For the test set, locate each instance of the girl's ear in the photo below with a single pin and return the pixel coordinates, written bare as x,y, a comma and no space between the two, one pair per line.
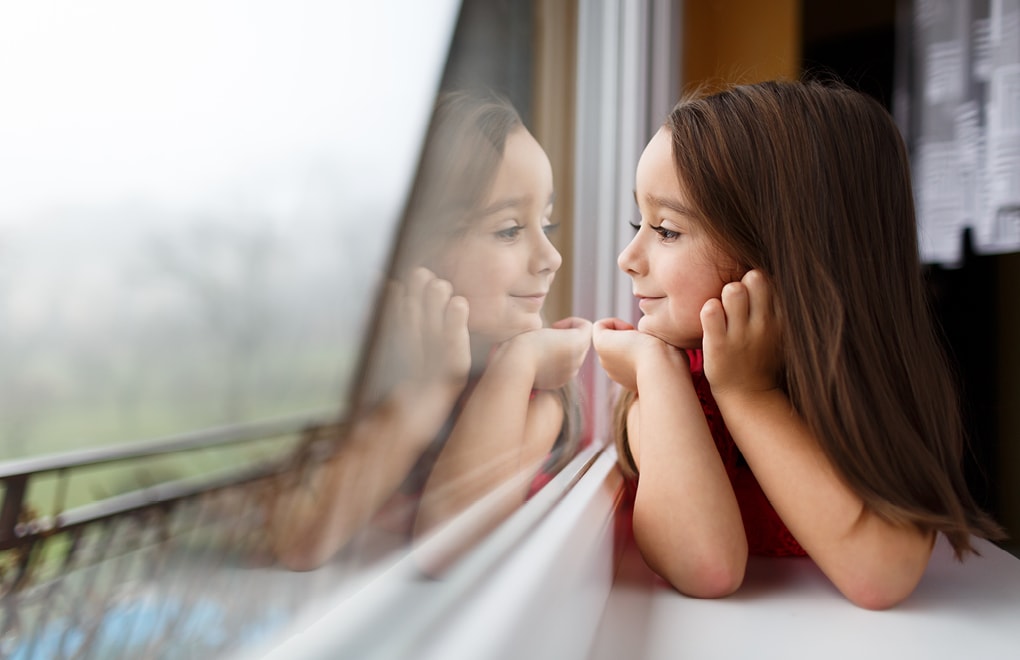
730,269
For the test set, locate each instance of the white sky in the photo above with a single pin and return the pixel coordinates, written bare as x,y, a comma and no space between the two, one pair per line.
124,122
112,99
122,119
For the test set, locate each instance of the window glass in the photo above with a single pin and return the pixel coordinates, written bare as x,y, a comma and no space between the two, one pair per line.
198,200
464,342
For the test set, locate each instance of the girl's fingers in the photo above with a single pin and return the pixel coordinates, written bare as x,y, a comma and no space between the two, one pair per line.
418,280
457,314
612,324
456,334
600,335
435,299
580,332
762,312
415,290
713,321
736,306
571,322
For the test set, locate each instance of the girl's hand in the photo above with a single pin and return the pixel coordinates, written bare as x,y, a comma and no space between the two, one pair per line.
430,332
743,337
557,351
621,347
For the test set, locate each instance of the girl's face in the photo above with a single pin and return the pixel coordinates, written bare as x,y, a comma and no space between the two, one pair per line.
504,263
674,267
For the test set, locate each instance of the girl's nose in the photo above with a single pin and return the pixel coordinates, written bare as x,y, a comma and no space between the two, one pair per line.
546,258
631,259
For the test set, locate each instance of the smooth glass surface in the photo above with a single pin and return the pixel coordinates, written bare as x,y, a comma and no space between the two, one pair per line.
198,202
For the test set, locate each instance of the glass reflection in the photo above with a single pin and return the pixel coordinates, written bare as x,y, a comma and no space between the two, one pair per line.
468,395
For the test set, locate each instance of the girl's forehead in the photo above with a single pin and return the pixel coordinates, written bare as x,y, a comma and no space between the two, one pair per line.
659,148
656,170
524,175
524,160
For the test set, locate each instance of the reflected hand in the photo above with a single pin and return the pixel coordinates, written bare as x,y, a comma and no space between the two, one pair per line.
557,352
621,348
428,336
743,337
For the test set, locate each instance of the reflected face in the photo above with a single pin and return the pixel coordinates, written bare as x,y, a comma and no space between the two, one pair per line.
674,267
504,262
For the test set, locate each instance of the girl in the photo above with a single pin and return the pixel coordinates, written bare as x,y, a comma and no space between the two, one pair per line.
468,390
786,390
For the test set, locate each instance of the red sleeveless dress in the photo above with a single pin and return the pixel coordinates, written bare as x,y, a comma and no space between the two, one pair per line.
766,533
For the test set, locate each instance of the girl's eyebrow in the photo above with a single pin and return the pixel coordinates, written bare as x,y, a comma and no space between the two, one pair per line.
666,202
503,204
512,203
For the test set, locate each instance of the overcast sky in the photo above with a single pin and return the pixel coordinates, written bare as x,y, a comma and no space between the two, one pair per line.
109,99
127,123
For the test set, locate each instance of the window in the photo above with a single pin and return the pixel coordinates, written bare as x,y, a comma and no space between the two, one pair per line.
230,181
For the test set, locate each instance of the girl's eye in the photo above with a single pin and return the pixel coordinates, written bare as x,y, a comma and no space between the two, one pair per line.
666,234
551,228
510,233
636,226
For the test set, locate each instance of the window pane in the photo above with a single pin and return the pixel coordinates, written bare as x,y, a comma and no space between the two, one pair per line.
197,208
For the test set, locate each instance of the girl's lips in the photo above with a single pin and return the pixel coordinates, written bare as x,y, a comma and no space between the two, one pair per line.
642,301
532,299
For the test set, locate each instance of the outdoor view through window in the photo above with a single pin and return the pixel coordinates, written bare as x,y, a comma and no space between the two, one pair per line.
197,213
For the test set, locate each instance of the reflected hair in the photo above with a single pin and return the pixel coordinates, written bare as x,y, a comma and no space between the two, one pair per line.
463,150
809,182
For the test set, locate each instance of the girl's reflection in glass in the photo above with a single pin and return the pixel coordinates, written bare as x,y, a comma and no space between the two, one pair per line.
471,393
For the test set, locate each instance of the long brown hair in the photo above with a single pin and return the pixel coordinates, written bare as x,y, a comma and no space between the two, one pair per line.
809,182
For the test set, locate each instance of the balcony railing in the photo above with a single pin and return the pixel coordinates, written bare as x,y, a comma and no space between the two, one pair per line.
173,569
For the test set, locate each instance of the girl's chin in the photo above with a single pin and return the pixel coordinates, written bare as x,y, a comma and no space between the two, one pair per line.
693,342
498,336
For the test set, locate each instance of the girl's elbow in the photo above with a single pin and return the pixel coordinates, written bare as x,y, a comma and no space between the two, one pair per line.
877,595
887,579
883,586
709,578
714,582
709,563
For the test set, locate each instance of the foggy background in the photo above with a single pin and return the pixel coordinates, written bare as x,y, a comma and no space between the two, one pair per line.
196,203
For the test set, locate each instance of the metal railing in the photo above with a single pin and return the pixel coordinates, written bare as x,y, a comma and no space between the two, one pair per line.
172,569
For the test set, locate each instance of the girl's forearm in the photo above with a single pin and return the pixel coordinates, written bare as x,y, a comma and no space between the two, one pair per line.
872,561
500,434
686,519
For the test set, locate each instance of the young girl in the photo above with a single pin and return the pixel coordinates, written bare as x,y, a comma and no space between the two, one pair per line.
786,391
468,391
